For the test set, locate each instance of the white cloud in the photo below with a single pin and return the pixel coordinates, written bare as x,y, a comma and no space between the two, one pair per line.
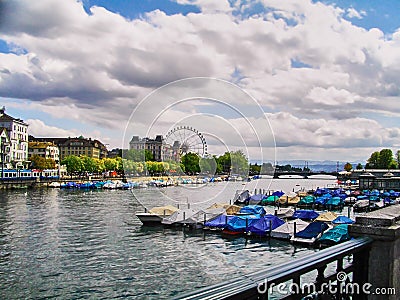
38,128
95,69
353,13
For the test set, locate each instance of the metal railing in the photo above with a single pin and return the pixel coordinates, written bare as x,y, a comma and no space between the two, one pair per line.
249,287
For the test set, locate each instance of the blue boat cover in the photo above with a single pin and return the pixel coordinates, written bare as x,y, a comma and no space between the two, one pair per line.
335,201
321,200
255,199
305,214
264,224
253,209
342,220
218,222
312,230
278,193
238,223
335,235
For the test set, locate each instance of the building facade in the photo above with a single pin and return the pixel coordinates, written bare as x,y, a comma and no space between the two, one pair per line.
155,146
17,132
4,148
76,146
46,150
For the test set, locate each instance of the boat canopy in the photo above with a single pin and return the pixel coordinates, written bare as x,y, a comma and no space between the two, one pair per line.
178,216
326,217
336,235
203,215
342,220
163,210
264,224
312,230
252,209
219,221
305,214
335,201
256,199
278,193
238,223
270,200
230,209
241,196
307,200
286,230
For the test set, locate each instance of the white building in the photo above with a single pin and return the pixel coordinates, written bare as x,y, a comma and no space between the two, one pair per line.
46,150
18,138
4,148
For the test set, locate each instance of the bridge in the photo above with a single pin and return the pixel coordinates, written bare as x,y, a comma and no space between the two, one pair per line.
366,267
302,173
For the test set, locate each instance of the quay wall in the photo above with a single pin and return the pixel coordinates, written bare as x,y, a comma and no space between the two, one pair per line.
383,226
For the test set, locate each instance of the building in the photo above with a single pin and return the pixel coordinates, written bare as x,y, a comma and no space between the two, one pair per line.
114,153
46,150
17,132
76,146
4,148
155,146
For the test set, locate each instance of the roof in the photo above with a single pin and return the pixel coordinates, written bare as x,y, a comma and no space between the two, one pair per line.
40,145
68,142
5,117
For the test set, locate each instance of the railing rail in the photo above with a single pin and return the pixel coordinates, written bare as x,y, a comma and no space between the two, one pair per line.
247,287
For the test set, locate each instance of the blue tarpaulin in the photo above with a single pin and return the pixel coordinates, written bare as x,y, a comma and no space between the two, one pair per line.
264,224
218,222
335,235
342,220
312,230
278,193
305,214
253,209
238,223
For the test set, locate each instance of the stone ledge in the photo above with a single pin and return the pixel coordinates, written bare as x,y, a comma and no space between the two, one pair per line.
389,233
384,217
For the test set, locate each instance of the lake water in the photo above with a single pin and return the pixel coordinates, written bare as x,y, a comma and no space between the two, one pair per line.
72,244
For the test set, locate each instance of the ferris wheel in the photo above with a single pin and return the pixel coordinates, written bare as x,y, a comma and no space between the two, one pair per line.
185,139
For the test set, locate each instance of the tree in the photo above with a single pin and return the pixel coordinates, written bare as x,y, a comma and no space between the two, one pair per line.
348,167
110,164
73,163
385,159
239,163
398,158
208,165
359,166
89,164
191,163
38,162
373,161
224,163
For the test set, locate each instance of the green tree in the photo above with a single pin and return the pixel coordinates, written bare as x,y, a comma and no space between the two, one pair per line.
191,163
385,159
110,164
224,163
373,161
359,166
73,163
267,168
255,169
208,165
89,164
398,158
38,162
239,163
348,167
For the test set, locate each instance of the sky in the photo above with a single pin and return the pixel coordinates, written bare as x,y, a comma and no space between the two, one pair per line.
295,79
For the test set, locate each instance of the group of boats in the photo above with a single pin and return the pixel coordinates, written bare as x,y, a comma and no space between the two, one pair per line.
316,223
322,199
85,185
298,226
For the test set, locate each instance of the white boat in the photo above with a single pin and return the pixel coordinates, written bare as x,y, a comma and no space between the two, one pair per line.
156,214
55,184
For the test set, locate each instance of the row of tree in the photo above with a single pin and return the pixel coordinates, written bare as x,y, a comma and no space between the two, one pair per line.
384,159
83,164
